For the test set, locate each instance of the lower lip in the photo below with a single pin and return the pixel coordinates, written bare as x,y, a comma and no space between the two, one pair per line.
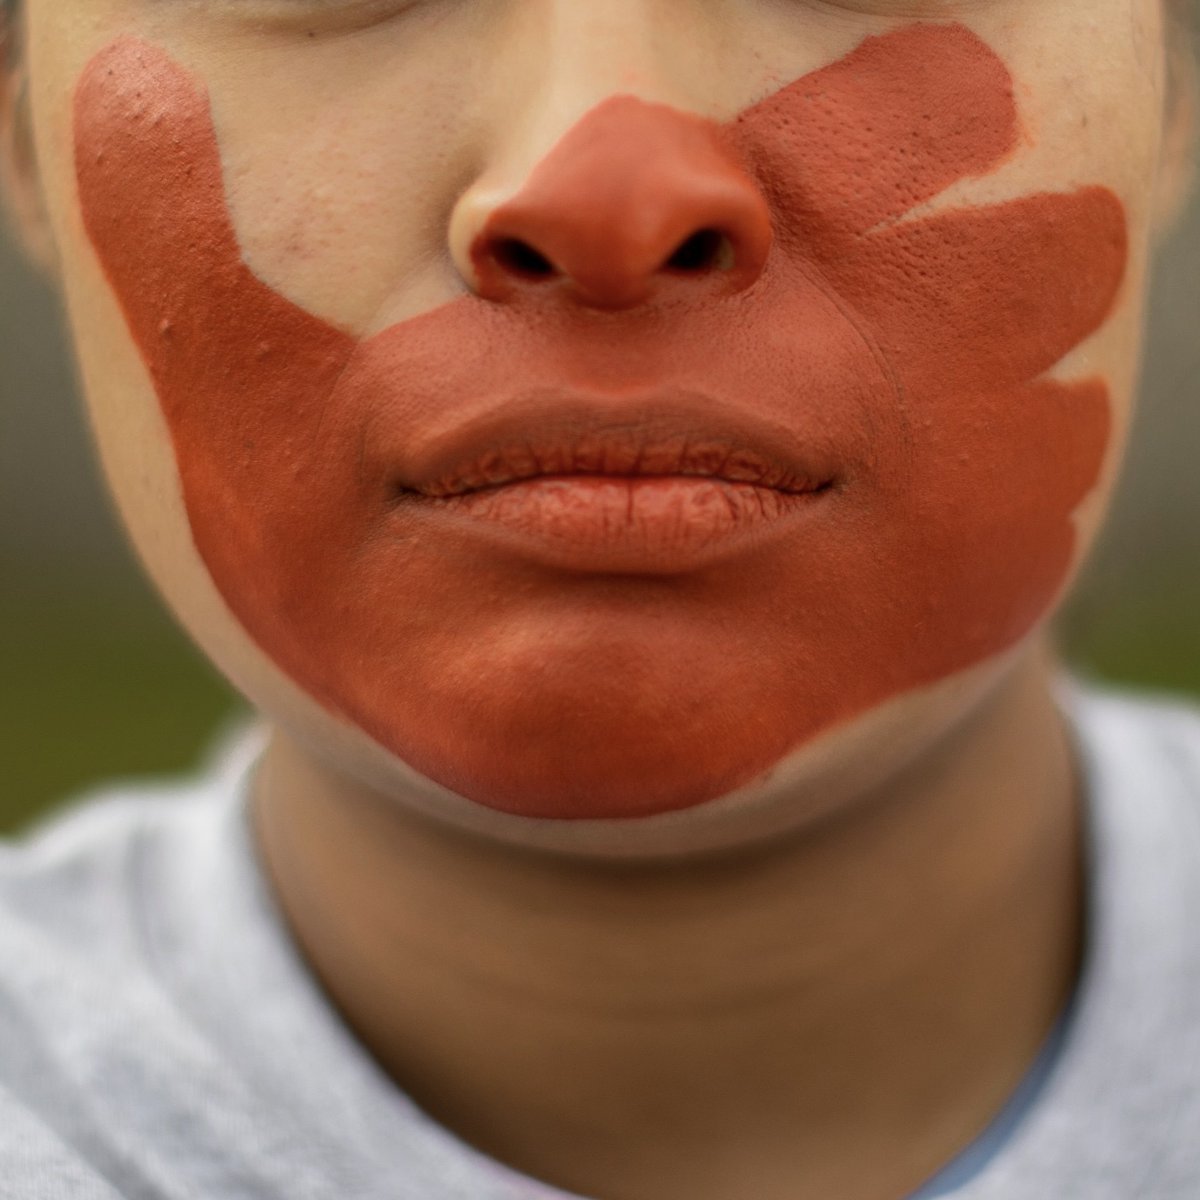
654,524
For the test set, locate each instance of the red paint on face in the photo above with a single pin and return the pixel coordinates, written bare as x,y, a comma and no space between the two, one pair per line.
900,362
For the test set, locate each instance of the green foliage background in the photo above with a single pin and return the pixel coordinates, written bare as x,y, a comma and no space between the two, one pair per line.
98,684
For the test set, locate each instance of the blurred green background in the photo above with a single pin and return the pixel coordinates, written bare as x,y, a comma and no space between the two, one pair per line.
96,683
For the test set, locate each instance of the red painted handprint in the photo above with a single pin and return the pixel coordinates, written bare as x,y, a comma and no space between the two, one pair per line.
883,476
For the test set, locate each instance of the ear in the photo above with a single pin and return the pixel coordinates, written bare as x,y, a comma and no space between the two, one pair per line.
1177,166
20,180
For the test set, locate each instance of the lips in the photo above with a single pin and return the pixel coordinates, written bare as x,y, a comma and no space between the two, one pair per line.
644,436
645,484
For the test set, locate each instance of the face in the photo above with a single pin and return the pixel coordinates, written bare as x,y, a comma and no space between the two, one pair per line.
581,412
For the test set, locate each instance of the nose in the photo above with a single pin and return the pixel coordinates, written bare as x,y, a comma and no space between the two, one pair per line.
635,197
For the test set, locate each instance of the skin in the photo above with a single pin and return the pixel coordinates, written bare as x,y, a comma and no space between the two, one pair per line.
885,920
881,487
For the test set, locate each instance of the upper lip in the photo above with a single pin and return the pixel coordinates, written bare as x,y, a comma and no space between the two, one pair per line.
560,435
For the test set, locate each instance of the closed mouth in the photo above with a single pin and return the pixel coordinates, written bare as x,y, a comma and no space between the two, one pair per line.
568,440
518,464
632,486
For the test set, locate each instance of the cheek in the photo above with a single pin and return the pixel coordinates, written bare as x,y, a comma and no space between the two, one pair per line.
341,193
914,351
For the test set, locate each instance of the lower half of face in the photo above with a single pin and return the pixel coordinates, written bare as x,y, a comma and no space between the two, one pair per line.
573,562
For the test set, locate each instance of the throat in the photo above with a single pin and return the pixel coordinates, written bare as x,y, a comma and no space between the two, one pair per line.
839,1015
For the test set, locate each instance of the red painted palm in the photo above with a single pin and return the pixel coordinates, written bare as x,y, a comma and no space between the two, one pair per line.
908,347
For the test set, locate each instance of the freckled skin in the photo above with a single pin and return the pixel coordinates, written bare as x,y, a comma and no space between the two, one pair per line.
911,352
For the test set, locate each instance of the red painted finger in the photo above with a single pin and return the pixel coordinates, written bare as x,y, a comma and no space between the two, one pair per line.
1015,287
882,130
153,201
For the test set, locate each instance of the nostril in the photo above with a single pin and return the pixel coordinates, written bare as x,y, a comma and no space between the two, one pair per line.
520,258
704,250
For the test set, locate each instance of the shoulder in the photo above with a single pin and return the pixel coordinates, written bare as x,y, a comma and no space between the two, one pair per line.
1139,758
38,1164
75,889
79,972
73,881
1137,736
1120,1110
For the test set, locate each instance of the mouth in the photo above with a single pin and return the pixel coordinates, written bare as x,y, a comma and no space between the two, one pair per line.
642,485
620,453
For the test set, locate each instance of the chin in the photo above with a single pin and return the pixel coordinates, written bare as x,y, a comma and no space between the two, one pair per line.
832,776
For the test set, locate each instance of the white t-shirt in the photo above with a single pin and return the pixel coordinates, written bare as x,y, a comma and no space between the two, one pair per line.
161,1039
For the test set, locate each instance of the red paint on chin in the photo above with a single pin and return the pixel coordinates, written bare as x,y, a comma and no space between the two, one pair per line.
908,356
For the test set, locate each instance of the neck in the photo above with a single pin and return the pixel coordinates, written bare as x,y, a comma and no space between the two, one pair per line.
835,1016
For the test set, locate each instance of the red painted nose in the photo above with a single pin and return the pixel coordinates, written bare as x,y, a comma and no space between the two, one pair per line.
636,195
